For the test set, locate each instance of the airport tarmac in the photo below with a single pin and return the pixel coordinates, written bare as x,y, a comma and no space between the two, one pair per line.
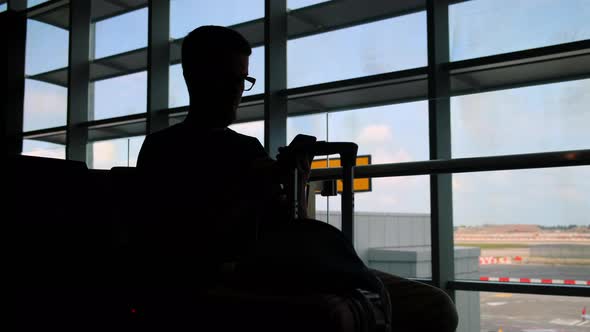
532,313
508,312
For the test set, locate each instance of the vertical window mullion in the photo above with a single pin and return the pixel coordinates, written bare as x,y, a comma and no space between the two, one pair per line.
78,79
441,200
275,75
158,64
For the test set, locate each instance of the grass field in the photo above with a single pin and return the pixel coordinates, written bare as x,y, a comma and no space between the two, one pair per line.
494,245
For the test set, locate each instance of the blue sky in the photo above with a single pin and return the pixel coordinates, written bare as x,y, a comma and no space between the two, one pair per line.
532,119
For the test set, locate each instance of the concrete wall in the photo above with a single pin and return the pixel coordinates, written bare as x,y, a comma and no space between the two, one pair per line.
375,229
399,243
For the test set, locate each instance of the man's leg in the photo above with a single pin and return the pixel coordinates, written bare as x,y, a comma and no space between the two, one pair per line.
417,306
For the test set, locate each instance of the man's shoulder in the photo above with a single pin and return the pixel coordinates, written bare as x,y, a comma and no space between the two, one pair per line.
245,141
168,133
241,137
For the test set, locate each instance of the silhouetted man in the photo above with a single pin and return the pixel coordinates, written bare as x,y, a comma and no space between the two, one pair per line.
206,196
203,206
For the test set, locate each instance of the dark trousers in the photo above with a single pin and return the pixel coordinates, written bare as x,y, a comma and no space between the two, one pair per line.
417,306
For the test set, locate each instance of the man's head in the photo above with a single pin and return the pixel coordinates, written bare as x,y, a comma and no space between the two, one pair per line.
214,65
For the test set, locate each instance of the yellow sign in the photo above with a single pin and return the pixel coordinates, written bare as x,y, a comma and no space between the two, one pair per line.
360,185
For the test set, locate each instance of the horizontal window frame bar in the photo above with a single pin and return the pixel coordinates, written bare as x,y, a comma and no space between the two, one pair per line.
404,76
49,6
517,57
463,165
40,133
113,122
506,287
46,7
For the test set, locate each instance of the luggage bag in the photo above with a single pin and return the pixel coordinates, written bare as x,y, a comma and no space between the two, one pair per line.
306,275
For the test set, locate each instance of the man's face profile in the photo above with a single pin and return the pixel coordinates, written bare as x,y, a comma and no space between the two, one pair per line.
221,87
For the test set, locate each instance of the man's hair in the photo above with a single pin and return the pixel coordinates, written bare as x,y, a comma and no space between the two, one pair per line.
210,43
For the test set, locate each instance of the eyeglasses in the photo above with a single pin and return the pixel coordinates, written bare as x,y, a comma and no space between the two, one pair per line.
249,83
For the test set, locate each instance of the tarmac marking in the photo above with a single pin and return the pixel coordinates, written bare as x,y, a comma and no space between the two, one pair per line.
494,304
566,322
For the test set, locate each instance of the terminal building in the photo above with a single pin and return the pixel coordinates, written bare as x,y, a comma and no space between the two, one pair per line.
466,114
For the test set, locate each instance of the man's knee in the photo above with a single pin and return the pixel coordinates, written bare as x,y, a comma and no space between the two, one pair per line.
419,307
449,318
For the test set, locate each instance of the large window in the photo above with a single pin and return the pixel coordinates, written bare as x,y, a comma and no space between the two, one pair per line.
32,3
358,71
527,223
186,15
45,104
120,96
296,4
487,27
125,92
43,149
363,50
254,129
522,312
118,152
539,118
114,36
390,134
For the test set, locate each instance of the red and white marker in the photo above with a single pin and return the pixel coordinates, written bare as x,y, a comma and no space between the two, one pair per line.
536,280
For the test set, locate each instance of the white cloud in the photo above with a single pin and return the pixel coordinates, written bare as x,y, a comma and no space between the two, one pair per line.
47,153
375,134
382,155
103,155
45,105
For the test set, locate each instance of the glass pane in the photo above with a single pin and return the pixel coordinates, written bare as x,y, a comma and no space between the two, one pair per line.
392,220
32,3
362,50
117,152
487,27
3,7
525,120
314,125
391,225
489,311
186,15
45,105
43,149
46,48
296,4
121,33
253,128
178,93
389,134
120,96
528,225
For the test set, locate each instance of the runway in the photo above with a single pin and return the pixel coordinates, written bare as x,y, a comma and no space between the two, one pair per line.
534,313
